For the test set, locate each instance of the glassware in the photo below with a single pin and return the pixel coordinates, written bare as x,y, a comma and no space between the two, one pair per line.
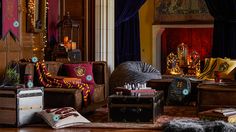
182,53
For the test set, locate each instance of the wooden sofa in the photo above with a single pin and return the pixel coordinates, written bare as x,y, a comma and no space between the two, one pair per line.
61,97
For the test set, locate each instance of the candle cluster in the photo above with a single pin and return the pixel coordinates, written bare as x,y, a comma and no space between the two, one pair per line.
68,44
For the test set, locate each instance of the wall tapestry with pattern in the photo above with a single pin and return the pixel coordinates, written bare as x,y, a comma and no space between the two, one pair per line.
169,11
10,18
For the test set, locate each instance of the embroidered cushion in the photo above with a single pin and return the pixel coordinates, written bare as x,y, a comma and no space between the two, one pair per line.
225,66
84,71
179,91
62,117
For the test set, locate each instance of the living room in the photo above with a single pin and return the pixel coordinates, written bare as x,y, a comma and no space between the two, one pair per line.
83,56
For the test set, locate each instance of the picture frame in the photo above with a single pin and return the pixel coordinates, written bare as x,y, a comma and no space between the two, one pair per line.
36,15
181,11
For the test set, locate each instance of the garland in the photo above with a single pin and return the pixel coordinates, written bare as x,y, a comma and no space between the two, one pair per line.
47,80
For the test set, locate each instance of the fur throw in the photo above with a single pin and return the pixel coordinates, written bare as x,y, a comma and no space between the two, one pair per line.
188,125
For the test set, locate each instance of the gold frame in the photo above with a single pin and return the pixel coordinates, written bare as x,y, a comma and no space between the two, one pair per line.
36,15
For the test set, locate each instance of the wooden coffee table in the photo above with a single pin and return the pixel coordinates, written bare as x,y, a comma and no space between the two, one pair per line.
215,95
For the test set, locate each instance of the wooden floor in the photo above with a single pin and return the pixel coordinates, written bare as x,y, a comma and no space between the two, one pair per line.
47,129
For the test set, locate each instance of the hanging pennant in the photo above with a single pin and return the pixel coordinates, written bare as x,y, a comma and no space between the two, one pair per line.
10,23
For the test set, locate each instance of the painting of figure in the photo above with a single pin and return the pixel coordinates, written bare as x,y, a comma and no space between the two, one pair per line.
181,10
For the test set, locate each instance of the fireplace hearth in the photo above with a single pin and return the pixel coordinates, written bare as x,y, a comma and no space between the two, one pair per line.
198,37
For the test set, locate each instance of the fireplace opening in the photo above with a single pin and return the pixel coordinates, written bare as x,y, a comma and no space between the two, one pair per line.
197,39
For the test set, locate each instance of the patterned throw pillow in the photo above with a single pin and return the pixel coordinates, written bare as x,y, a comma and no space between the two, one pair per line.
84,71
179,91
62,117
225,67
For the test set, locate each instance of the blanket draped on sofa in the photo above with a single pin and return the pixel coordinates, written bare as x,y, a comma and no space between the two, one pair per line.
48,81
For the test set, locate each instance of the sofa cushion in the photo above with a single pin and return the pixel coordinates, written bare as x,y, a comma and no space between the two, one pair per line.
53,67
84,71
64,97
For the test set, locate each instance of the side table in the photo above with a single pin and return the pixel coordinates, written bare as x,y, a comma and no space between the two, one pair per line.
127,108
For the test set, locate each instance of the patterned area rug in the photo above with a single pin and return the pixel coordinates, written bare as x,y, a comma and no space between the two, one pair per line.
99,119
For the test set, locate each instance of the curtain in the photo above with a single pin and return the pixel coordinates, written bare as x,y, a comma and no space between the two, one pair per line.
127,38
224,34
52,30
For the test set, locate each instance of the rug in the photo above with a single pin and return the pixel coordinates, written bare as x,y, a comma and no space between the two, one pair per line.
99,118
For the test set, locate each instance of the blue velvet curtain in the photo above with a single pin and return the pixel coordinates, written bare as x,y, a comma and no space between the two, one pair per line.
127,38
224,35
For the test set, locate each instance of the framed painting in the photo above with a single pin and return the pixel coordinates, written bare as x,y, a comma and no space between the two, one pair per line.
181,11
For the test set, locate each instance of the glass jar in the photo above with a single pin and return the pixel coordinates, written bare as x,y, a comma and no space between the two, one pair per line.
182,52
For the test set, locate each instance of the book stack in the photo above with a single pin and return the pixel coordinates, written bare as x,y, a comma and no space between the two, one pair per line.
135,92
226,114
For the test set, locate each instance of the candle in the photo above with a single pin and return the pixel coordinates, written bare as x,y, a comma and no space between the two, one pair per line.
65,40
73,46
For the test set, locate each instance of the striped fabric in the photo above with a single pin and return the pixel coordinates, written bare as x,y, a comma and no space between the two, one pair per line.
225,66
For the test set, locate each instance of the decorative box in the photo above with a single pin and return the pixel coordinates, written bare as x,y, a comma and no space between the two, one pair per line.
19,105
146,108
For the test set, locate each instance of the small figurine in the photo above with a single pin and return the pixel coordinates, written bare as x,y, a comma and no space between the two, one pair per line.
172,65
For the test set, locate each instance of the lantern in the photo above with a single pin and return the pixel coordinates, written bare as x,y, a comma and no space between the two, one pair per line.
69,32
69,37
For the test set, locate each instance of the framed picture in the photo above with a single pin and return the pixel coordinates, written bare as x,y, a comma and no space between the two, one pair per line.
36,15
182,11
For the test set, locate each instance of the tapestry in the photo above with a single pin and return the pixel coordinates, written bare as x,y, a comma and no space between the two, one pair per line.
10,18
167,11
53,19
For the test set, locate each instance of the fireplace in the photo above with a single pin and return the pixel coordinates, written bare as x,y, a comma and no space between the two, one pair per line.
198,37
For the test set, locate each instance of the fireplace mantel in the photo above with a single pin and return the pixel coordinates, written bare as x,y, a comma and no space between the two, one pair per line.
157,31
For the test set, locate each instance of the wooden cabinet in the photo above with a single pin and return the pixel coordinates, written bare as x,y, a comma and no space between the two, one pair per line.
81,11
211,96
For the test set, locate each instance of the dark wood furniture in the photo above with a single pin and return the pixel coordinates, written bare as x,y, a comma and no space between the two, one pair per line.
83,12
163,84
128,108
215,95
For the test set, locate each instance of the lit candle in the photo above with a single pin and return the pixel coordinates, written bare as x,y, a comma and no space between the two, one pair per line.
65,40
73,46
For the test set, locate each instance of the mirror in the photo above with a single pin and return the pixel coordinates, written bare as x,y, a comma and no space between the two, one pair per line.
36,15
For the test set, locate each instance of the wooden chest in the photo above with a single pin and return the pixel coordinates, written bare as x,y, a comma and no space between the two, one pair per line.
211,96
135,108
19,105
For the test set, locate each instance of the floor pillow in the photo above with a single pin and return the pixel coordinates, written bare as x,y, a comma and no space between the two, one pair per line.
62,117
132,72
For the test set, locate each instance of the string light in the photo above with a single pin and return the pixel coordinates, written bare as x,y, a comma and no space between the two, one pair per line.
31,12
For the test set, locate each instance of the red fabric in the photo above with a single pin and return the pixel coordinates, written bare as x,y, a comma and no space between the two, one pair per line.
47,80
84,71
198,39
9,16
53,18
